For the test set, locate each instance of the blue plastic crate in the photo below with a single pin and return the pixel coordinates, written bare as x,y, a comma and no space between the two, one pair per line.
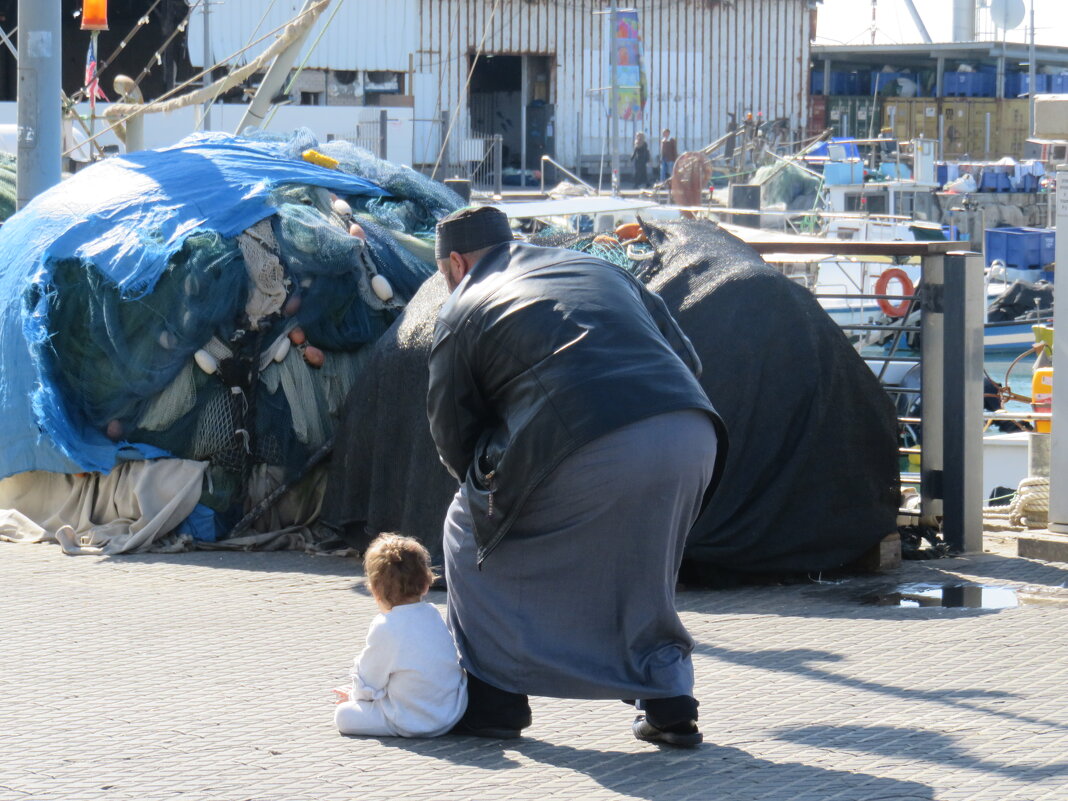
994,180
1042,84
1020,248
816,81
968,84
1015,84
1058,84
839,173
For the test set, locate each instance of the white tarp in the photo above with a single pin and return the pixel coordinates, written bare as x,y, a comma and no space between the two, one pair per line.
125,511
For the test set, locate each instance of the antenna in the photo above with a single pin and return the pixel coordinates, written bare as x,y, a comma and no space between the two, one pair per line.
1007,14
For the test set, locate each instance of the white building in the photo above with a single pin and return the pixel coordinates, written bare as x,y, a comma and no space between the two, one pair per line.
542,68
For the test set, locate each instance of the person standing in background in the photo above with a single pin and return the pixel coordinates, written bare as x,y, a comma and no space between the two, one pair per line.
669,152
640,157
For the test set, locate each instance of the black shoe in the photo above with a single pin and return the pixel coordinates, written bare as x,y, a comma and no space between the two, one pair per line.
683,735
490,732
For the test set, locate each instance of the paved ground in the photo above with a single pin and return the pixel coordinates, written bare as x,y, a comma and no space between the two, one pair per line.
207,676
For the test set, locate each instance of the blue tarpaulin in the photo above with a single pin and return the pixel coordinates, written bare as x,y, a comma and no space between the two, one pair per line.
127,216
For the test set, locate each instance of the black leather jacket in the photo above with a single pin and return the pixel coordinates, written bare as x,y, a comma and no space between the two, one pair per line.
538,352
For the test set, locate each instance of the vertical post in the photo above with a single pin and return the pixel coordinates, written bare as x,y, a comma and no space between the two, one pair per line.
999,79
524,90
445,140
827,77
94,37
932,368
39,90
986,137
205,116
613,99
578,144
1058,488
498,165
962,398
383,134
1032,70
940,76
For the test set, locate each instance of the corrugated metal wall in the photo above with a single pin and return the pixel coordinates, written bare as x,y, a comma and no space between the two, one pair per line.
704,59
363,34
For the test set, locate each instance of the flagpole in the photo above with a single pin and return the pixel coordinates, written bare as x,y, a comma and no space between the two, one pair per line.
92,89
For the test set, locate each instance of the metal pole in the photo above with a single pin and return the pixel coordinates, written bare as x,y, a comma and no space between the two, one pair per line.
498,165
383,134
962,450
93,37
1058,478
39,90
445,140
205,115
524,89
1032,73
613,98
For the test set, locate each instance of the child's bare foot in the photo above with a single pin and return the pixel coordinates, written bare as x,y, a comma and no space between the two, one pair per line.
342,694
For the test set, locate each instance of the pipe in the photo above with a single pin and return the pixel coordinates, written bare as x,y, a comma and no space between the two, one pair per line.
963,20
918,20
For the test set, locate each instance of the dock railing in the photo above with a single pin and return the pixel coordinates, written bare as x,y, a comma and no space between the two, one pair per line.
951,298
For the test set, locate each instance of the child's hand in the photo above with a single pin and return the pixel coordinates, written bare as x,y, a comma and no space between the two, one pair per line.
342,694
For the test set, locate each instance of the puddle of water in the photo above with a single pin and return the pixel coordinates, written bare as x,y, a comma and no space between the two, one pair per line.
958,596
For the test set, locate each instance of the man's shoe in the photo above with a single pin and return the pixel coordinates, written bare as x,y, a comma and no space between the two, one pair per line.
490,732
683,735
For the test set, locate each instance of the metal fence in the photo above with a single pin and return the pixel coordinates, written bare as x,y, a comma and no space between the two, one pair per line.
950,296
371,135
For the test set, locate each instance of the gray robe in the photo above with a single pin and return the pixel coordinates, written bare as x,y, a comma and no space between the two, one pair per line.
578,600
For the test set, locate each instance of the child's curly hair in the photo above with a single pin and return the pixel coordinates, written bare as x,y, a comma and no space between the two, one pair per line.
397,568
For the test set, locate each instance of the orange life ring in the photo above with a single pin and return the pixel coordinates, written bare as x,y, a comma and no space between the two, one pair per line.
899,309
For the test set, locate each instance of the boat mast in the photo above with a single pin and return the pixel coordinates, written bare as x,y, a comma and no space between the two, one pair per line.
39,89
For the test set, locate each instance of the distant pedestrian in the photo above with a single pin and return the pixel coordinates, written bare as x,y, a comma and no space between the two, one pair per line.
408,681
669,153
640,158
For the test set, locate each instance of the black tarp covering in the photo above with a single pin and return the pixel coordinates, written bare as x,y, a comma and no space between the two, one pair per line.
811,477
385,474
1022,298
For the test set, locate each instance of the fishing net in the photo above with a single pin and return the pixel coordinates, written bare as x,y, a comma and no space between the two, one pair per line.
811,480
243,351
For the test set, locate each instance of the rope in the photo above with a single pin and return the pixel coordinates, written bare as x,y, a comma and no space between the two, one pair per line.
247,45
1029,508
205,93
308,55
199,96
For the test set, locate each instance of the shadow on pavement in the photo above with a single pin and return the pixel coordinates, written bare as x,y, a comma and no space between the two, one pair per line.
914,744
668,774
256,561
804,662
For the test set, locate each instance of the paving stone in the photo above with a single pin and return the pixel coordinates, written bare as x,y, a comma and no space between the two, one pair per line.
207,676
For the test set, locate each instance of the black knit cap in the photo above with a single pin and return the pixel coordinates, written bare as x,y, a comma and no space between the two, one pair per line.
471,229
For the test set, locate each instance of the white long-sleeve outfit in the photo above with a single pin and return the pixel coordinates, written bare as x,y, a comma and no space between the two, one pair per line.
408,681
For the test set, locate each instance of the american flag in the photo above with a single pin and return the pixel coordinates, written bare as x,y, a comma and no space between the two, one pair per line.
92,85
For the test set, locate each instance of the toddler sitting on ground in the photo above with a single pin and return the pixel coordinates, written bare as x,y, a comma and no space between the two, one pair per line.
408,681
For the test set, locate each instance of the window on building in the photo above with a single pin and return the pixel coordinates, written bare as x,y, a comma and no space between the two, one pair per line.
311,98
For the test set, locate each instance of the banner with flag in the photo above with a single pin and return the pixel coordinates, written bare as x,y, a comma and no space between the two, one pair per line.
92,85
630,72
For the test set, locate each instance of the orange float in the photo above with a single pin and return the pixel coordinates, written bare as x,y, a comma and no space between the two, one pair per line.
901,308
